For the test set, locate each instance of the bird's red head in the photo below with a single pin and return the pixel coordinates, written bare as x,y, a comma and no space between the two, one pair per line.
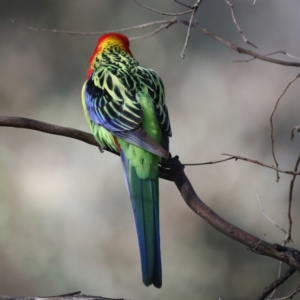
119,40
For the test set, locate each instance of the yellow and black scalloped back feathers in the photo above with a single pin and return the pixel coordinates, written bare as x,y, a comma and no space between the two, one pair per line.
114,39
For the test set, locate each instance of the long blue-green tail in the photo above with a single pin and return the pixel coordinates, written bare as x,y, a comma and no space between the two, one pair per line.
145,205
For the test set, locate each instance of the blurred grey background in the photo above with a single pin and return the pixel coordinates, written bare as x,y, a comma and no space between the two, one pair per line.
65,217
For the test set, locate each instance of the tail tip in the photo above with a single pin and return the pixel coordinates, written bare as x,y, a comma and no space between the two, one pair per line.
156,282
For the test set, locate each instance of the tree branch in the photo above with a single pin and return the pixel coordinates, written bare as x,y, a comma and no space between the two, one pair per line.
239,49
281,253
269,54
271,123
91,32
70,296
157,30
237,25
171,21
175,172
289,235
20,122
238,157
274,285
163,13
194,9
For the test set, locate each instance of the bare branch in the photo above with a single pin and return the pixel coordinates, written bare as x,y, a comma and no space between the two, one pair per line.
266,215
175,173
237,157
195,8
71,296
192,10
289,235
274,285
270,54
297,128
187,36
200,164
195,203
163,13
194,25
240,49
237,25
297,290
162,27
209,163
88,138
91,33
183,4
20,122
271,123
279,275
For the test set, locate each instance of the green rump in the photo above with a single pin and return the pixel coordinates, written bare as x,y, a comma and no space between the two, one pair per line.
145,163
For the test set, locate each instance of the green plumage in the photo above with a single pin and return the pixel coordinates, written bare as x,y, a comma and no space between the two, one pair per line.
125,107
145,163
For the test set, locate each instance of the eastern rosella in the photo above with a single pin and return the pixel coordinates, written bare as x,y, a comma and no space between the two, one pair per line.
124,105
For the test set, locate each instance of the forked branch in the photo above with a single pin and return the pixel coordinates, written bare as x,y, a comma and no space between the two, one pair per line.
173,21
174,171
237,25
273,286
271,122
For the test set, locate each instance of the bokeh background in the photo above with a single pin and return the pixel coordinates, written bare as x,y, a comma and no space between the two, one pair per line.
65,217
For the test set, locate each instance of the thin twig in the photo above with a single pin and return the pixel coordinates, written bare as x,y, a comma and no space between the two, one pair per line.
297,290
163,13
276,284
183,4
280,263
205,163
240,49
289,235
266,215
279,275
272,127
254,249
297,128
162,27
187,35
91,33
238,157
237,25
195,8
70,296
266,55
280,228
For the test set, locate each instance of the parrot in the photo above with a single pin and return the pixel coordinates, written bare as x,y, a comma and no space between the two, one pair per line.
124,104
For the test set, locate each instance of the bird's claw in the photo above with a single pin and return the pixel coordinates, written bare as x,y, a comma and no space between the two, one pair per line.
101,149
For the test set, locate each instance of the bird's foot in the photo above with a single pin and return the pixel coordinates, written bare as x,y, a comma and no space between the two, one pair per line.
172,162
101,149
